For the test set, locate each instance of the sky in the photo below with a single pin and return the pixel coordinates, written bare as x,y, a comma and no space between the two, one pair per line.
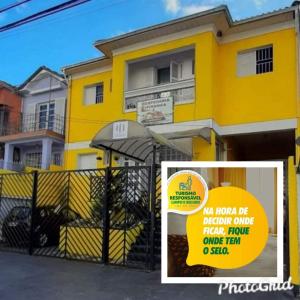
67,37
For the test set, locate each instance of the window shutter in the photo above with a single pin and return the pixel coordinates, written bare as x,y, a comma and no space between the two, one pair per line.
174,71
90,95
246,63
59,121
87,161
60,107
30,116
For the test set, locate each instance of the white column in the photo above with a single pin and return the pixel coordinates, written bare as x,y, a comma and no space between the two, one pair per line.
46,153
8,156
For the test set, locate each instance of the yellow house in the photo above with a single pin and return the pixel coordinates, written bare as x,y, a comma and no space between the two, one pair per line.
219,89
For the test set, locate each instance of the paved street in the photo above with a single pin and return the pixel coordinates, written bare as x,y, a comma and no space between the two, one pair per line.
40,278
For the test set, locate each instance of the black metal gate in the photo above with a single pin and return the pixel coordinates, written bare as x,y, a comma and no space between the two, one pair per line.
105,215
67,215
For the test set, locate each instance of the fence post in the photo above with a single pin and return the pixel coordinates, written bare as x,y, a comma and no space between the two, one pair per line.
1,189
33,210
152,210
105,214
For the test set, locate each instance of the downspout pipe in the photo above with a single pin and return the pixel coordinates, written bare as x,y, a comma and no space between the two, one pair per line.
67,121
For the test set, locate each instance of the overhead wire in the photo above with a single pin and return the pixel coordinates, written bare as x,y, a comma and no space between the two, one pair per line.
41,14
51,11
13,5
66,16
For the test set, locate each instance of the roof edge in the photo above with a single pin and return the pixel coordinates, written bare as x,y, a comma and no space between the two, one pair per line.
264,16
68,69
8,86
217,9
36,72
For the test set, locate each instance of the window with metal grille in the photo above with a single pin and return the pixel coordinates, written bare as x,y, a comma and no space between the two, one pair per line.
33,159
56,159
93,94
99,93
264,60
169,154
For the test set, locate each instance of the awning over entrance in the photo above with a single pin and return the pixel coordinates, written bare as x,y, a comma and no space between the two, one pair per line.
133,140
203,132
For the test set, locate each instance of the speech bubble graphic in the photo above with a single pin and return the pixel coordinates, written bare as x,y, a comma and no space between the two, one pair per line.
187,192
229,232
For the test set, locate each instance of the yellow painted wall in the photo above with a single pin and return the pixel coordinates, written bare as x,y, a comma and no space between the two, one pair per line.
263,97
204,151
293,222
98,115
85,120
71,157
219,93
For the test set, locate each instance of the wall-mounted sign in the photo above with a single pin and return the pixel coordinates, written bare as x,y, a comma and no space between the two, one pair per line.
120,130
156,111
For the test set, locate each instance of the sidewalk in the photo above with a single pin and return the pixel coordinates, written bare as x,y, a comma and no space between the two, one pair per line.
24,277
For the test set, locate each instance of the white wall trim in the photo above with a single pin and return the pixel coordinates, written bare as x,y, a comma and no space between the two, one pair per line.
166,38
77,145
246,128
29,141
259,127
227,38
255,32
181,84
95,71
182,126
215,126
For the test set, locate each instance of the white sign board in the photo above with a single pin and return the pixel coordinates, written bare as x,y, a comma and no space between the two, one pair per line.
156,111
120,130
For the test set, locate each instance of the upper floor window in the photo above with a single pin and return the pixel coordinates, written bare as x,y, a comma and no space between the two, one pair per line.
46,115
163,75
255,61
4,117
93,94
264,60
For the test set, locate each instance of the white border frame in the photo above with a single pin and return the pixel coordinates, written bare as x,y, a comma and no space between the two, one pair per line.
216,164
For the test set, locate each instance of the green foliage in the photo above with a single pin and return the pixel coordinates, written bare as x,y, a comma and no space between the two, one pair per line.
127,206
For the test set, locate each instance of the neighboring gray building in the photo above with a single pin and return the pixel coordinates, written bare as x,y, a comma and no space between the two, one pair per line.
36,139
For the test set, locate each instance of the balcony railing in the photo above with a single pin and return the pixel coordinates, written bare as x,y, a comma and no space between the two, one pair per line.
12,166
182,92
34,122
34,161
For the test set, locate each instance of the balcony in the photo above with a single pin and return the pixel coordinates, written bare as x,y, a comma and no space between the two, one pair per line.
182,92
13,166
168,74
26,123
